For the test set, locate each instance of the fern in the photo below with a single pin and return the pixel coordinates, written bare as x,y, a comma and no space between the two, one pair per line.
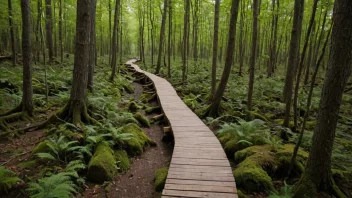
55,186
285,192
8,179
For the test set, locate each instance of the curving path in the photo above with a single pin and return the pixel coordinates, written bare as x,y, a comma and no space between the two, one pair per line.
199,166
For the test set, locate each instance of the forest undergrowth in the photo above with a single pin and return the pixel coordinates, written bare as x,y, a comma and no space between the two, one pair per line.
62,159
256,142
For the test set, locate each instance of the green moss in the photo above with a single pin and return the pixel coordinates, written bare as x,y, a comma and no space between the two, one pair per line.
122,160
128,88
133,106
281,122
142,120
310,125
102,166
232,146
250,173
41,148
160,176
241,194
136,144
28,164
224,138
150,110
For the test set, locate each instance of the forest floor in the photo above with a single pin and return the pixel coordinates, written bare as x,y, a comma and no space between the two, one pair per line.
138,181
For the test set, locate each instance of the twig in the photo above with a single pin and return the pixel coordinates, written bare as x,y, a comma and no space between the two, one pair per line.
14,157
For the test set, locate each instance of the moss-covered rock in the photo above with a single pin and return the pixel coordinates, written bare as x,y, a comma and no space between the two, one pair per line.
136,144
142,120
133,106
102,166
122,160
281,122
160,176
283,156
42,147
150,110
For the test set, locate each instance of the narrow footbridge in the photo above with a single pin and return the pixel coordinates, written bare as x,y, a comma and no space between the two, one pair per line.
199,166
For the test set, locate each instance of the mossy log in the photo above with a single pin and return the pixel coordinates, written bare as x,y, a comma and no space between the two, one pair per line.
102,166
123,162
142,120
150,110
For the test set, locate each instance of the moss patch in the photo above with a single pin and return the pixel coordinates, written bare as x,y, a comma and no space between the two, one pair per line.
136,144
160,176
42,147
142,120
122,160
150,110
133,106
102,166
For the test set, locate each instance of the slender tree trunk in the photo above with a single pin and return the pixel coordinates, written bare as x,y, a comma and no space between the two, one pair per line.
317,176
293,58
185,40
253,55
27,99
12,34
169,40
214,108
49,30
215,46
195,29
92,46
301,61
110,36
114,41
241,41
162,35
60,32
152,28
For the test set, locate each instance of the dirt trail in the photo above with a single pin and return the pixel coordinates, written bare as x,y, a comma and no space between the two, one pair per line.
138,181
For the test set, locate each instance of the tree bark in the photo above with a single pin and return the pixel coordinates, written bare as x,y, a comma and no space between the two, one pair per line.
317,176
185,40
12,34
293,58
169,41
214,108
60,32
215,46
162,35
92,46
27,99
253,54
114,46
49,30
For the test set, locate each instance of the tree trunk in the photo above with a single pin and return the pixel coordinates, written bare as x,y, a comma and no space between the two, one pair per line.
114,41
13,45
185,40
60,32
214,108
27,99
317,176
162,35
215,46
169,40
241,41
253,55
301,61
293,57
195,30
92,46
49,30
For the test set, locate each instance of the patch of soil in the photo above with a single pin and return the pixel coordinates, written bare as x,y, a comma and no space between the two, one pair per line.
138,181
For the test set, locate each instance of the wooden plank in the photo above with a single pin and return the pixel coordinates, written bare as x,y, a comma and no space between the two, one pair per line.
200,162
202,183
198,194
199,167
183,187
217,171
203,176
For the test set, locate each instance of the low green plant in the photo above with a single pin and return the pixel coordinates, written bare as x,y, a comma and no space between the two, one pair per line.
8,179
55,186
249,133
285,192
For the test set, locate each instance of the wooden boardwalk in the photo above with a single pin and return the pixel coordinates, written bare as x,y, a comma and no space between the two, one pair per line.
199,166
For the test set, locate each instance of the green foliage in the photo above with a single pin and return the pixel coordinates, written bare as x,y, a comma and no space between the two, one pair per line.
8,180
160,176
122,160
285,192
55,186
102,166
